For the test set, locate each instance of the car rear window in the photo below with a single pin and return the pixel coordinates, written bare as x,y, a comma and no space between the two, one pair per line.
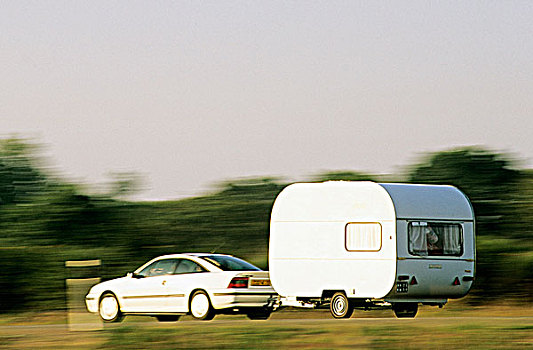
229,263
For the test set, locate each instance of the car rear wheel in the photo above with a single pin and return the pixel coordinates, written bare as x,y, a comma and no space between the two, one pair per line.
200,306
109,308
405,310
258,314
340,306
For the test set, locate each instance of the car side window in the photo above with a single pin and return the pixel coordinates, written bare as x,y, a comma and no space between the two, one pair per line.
160,268
188,266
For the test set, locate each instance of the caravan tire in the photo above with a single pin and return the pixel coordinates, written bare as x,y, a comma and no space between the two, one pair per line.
340,306
405,310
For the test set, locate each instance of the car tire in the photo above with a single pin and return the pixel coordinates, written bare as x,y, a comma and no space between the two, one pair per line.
109,308
167,318
340,306
258,314
200,306
405,310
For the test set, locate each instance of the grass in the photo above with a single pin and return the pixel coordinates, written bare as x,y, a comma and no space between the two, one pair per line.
456,327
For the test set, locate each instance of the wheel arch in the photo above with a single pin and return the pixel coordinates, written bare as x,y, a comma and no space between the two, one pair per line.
189,298
108,291
328,293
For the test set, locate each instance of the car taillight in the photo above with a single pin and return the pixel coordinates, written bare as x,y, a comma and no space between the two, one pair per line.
238,282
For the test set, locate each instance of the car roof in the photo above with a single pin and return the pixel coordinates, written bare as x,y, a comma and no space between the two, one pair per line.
177,255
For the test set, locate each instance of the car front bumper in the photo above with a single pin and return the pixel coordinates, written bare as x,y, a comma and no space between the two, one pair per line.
91,301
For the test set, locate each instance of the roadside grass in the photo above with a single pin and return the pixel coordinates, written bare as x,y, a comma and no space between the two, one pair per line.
205,337
454,308
479,334
366,334
459,327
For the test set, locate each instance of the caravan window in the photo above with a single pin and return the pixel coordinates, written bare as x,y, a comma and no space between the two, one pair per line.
435,238
363,236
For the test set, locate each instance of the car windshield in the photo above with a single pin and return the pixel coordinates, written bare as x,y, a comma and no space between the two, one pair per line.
229,263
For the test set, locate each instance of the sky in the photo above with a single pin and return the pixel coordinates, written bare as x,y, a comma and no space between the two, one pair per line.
191,93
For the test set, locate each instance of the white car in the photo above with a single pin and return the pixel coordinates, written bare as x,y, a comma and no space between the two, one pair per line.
199,284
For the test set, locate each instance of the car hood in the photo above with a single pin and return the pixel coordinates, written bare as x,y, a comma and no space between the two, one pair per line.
100,287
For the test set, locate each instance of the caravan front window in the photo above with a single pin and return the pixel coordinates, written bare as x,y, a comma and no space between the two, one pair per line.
363,237
435,238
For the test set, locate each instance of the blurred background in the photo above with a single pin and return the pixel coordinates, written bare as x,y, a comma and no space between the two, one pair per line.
45,221
130,129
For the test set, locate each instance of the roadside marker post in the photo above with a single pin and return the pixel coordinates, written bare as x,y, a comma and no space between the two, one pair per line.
81,276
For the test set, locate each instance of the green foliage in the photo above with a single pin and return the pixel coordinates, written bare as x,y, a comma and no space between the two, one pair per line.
487,178
124,184
343,176
13,291
20,179
44,222
502,198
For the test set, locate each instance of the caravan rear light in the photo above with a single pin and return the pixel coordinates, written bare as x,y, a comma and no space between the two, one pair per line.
413,281
456,281
238,282
403,278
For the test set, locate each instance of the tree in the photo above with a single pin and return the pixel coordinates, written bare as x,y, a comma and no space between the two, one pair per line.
487,178
124,184
342,176
20,177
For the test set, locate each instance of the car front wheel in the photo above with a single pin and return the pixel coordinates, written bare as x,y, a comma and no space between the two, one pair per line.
200,306
109,308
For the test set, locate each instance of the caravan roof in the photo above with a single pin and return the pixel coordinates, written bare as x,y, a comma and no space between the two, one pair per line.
429,202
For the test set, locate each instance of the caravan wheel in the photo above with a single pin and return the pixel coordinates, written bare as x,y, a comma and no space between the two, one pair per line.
340,306
405,310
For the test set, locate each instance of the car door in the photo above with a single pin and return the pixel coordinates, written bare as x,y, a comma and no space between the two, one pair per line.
147,292
188,275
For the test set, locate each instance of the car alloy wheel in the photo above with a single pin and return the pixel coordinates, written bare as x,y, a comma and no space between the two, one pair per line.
109,308
200,306
340,306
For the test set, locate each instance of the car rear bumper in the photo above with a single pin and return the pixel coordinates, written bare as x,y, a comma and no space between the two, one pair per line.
230,298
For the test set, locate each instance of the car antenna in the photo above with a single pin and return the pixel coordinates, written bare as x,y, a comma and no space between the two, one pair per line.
218,247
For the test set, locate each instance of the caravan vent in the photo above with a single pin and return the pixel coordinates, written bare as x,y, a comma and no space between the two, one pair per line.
363,236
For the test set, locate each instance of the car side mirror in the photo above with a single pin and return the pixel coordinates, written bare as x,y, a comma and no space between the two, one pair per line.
134,275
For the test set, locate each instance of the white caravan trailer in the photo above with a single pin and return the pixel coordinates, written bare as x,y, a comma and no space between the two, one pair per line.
371,245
